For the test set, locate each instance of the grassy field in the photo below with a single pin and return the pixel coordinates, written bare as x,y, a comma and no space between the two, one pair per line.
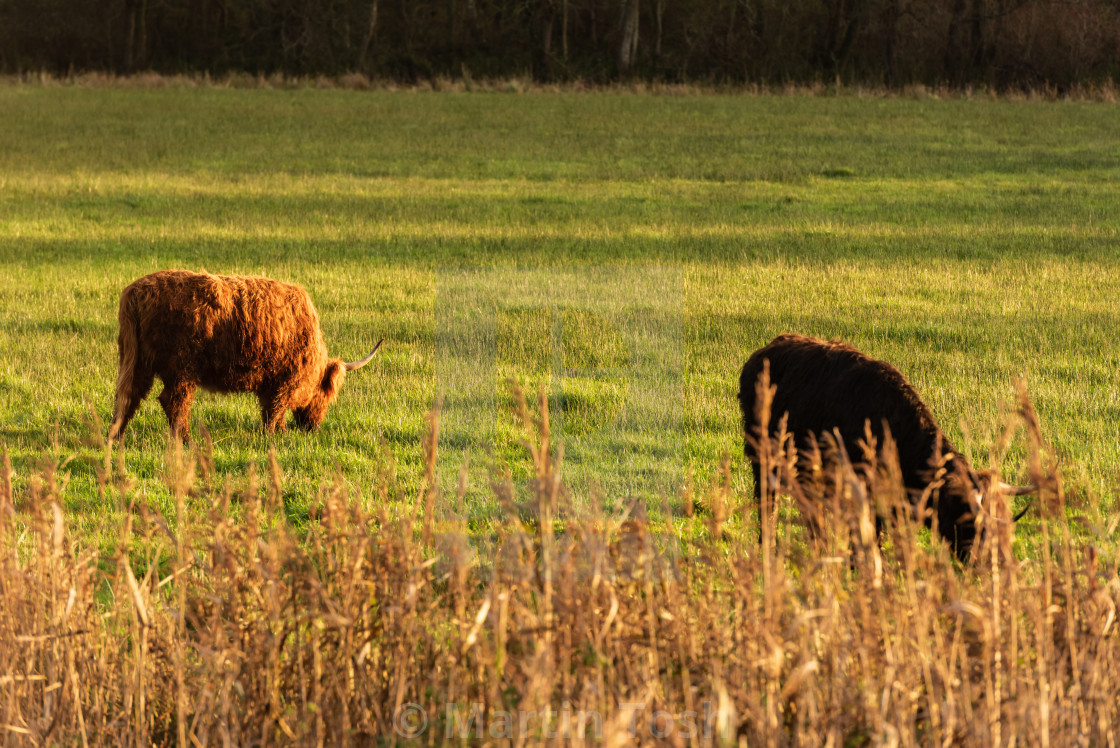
627,252
970,242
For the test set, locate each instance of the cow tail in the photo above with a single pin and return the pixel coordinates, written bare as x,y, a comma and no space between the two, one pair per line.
128,344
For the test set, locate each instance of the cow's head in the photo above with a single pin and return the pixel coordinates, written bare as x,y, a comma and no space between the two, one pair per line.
309,416
963,495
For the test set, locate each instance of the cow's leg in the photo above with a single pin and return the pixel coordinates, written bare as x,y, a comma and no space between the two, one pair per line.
756,469
176,400
142,381
273,409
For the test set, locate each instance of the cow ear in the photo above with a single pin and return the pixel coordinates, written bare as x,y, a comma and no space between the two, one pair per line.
332,379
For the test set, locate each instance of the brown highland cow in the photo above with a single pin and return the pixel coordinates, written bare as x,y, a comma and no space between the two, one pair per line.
225,333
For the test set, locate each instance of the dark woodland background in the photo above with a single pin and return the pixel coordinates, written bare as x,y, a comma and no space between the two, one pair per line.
997,43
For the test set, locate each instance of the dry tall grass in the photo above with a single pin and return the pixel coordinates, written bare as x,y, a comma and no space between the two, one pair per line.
220,626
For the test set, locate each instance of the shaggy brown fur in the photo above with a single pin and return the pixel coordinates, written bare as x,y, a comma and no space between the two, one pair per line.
225,333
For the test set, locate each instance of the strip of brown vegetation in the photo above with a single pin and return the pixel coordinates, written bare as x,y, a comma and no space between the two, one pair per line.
222,625
1107,92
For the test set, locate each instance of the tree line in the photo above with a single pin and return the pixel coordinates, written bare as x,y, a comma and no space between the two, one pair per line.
998,43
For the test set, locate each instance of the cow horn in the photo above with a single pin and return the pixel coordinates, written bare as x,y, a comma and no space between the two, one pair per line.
1011,490
1019,516
351,366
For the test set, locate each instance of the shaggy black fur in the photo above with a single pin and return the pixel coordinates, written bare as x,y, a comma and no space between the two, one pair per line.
824,385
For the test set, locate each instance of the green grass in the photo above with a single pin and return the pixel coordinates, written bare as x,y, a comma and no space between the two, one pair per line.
969,242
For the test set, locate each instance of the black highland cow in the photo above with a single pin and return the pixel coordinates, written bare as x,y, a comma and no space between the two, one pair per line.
821,386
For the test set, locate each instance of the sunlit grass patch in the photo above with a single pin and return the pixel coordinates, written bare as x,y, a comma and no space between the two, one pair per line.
620,256
971,244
